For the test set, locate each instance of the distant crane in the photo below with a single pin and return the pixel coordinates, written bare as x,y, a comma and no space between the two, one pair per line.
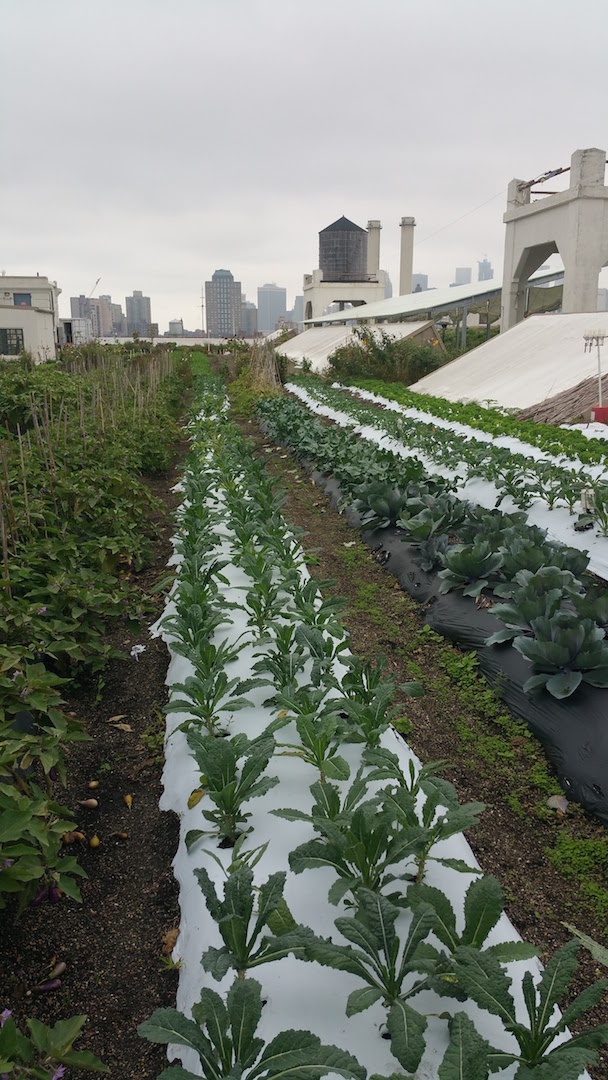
93,289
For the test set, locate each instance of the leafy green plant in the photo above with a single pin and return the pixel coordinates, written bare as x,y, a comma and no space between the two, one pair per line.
469,567
373,716
46,1052
479,976
224,1037
565,652
380,505
229,787
210,692
533,596
244,925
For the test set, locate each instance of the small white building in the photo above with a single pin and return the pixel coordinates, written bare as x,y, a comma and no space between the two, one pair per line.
75,331
28,317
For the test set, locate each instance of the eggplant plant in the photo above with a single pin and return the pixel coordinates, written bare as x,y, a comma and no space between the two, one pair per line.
226,785
565,652
224,1037
244,917
469,567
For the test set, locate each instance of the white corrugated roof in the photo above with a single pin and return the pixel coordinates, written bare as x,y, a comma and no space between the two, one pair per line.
538,358
318,343
431,300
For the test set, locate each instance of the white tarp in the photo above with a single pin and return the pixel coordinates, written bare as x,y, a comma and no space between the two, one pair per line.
535,360
318,343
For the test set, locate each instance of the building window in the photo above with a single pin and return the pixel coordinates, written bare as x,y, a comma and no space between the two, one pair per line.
11,342
22,299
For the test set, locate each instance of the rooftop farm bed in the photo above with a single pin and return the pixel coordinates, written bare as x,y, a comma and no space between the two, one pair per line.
287,776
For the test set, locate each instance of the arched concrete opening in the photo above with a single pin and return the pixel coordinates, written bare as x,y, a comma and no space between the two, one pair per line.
573,223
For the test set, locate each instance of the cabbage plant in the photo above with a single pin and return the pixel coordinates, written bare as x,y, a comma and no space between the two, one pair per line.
565,652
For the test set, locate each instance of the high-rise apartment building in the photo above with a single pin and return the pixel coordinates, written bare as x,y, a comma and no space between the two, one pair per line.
420,282
224,308
462,275
484,270
249,318
176,327
272,306
139,315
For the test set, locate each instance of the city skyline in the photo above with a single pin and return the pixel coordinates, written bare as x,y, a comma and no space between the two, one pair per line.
164,206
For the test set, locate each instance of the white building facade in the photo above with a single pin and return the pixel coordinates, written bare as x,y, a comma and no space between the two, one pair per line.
28,317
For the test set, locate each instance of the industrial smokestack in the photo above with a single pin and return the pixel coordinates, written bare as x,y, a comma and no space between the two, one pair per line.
373,248
408,225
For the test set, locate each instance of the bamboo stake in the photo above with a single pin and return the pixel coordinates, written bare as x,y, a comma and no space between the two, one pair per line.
27,505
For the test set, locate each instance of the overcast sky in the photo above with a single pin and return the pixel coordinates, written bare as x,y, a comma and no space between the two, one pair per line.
150,142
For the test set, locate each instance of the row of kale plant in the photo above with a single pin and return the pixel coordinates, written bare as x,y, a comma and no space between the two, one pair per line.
556,613
551,438
376,831
75,528
517,475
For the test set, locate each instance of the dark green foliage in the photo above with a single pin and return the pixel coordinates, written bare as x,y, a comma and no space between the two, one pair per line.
224,1037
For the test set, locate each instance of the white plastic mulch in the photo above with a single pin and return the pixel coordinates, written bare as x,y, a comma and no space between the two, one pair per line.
300,995
558,522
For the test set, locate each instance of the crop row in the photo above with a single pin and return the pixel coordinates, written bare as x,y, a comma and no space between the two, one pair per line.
553,440
74,525
269,687
525,478
556,613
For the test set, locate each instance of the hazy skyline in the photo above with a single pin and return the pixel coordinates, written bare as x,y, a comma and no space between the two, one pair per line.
148,144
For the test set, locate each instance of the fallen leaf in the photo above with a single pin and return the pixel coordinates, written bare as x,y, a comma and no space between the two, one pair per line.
123,727
195,798
169,940
558,802
115,719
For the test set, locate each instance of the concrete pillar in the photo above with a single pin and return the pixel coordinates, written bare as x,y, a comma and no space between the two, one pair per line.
373,247
407,255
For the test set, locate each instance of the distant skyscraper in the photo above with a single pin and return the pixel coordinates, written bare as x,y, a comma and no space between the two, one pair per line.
420,282
223,300
298,309
388,286
176,327
249,318
462,275
139,316
484,270
272,305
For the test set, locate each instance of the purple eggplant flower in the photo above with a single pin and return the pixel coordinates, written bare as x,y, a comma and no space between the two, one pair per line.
4,1016
42,611
58,1073
6,863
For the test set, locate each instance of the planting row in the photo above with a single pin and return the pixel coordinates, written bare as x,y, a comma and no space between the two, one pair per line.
516,474
550,594
272,720
74,526
553,440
